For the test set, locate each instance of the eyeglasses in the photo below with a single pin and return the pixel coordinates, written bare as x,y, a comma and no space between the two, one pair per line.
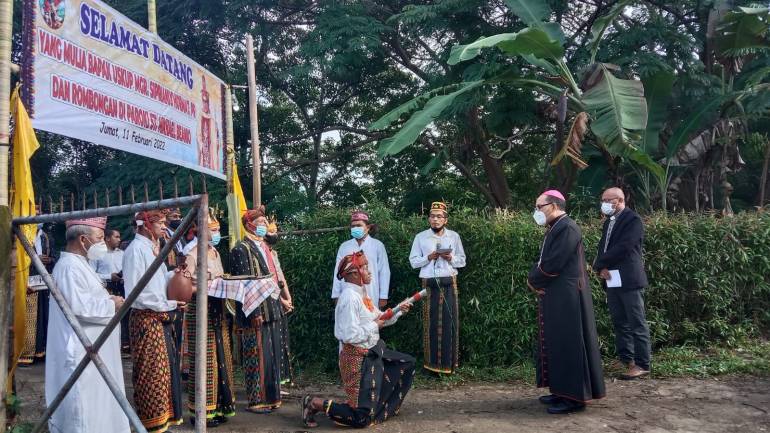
436,217
540,206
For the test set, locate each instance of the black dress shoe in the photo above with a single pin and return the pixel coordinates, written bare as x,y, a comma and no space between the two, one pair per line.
549,399
221,419
566,406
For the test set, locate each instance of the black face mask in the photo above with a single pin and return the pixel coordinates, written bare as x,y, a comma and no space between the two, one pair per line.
271,239
174,224
436,230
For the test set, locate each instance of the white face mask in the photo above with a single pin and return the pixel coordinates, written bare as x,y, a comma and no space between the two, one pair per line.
539,217
608,208
97,251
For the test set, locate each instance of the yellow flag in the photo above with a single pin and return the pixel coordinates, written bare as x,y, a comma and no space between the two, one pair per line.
23,204
237,209
238,191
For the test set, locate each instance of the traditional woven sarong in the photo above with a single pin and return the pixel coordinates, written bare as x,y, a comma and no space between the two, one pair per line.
286,372
376,382
41,325
441,325
261,346
156,375
28,353
351,362
220,395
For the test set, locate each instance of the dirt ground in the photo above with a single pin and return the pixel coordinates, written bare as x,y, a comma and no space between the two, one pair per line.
734,404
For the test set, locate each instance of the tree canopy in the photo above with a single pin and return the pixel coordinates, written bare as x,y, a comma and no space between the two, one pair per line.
482,103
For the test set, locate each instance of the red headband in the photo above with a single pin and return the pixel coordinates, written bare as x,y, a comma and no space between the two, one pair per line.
150,216
359,216
250,216
351,262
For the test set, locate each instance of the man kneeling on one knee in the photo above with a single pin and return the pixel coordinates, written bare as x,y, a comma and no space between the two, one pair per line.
375,379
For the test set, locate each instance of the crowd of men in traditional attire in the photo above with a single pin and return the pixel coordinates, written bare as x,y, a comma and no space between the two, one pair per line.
95,274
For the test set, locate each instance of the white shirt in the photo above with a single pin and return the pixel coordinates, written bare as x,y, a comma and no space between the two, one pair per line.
136,260
425,243
89,406
353,322
375,253
111,263
189,246
39,242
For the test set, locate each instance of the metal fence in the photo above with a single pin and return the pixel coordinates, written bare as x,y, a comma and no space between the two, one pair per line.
199,210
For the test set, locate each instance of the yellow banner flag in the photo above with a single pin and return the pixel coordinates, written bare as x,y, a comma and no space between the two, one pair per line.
23,204
238,191
237,229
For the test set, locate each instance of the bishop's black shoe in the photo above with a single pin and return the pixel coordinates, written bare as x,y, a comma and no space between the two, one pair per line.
566,406
549,399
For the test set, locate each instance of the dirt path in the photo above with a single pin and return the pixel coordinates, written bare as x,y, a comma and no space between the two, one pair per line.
737,404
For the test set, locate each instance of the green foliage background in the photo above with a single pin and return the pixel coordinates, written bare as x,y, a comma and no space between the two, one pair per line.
710,282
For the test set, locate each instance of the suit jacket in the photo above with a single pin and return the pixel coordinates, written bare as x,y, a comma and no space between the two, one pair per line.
624,251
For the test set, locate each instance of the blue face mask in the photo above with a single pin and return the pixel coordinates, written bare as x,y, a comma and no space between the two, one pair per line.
261,231
357,232
215,238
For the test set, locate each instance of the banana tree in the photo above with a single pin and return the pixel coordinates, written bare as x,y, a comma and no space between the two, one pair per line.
614,107
738,38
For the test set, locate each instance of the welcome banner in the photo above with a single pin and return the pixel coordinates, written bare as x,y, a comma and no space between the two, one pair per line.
92,74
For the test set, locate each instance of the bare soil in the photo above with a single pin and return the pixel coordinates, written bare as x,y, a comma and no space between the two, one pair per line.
727,404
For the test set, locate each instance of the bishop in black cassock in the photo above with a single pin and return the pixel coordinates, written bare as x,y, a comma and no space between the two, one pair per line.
568,359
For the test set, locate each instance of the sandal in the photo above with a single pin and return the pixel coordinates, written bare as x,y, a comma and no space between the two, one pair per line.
308,419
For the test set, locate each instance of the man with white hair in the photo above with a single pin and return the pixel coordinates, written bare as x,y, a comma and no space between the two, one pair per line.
89,406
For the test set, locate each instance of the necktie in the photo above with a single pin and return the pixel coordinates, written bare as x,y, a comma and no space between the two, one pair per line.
609,232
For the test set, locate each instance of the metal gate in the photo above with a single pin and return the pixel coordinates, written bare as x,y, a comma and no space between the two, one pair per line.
199,210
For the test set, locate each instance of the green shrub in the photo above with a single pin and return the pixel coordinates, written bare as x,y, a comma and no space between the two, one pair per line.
709,282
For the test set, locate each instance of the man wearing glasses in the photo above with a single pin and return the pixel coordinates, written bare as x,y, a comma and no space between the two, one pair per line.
620,265
437,253
568,361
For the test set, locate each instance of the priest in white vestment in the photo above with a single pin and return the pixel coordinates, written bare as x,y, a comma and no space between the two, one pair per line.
89,406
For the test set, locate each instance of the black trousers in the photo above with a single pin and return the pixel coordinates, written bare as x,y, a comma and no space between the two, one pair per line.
632,335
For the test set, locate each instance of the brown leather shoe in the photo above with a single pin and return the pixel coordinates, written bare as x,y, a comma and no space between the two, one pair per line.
635,372
619,365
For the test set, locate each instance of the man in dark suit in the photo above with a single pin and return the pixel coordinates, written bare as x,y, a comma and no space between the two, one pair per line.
620,253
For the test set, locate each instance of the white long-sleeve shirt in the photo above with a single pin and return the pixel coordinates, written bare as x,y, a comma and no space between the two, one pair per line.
425,243
136,260
379,268
89,407
39,241
353,322
111,263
